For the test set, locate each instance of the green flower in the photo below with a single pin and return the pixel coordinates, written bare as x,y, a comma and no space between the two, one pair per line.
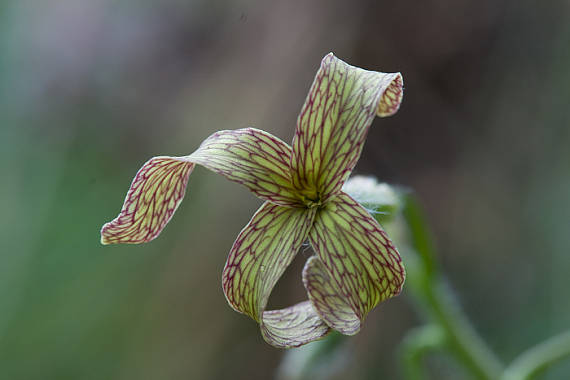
356,265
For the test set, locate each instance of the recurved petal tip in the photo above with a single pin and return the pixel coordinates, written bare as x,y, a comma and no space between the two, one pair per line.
392,96
104,240
154,196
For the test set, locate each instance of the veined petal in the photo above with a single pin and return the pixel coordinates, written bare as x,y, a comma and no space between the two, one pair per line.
258,258
326,296
249,156
154,195
253,158
334,121
359,264
293,326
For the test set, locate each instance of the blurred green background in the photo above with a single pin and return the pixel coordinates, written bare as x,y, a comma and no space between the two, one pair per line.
90,89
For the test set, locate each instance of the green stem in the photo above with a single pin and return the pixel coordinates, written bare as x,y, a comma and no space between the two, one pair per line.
415,344
302,363
442,306
467,345
420,236
538,358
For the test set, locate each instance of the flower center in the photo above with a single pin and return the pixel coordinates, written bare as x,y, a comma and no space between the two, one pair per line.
312,202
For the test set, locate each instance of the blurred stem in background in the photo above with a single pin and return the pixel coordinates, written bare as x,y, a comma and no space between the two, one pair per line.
446,327
538,358
436,301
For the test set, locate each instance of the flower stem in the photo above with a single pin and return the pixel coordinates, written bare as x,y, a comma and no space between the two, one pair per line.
415,344
467,345
538,358
317,357
442,307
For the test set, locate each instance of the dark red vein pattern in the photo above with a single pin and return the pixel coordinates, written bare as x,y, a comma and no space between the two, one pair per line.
253,158
293,326
392,98
154,195
327,298
261,253
357,266
258,258
333,124
357,254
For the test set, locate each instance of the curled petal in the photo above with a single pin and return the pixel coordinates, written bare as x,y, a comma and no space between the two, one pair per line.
293,326
327,298
334,121
258,258
260,255
154,195
359,264
253,158
248,156
392,97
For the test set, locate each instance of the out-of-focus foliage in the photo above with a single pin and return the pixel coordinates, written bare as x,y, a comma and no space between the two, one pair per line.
90,89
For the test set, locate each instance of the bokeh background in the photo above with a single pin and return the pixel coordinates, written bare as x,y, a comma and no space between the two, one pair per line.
90,89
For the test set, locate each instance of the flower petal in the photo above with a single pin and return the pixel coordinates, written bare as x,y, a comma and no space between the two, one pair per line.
327,298
248,156
260,254
253,158
334,121
293,326
154,195
359,264
258,258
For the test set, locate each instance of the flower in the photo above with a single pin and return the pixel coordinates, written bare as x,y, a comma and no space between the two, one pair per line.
356,266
